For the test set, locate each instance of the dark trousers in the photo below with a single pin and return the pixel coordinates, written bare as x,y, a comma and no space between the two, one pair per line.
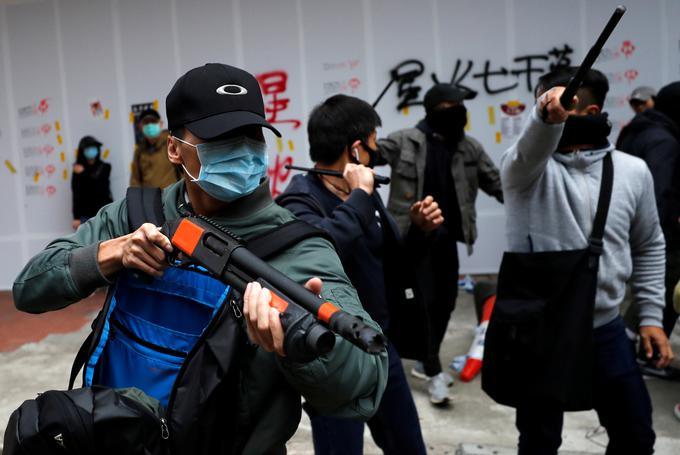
395,427
439,284
621,402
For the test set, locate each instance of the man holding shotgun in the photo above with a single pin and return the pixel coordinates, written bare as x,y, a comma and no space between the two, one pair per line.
216,115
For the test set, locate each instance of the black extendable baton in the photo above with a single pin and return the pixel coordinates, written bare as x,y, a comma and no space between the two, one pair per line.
379,179
568,96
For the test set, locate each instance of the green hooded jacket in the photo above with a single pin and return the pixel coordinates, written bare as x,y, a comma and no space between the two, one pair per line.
346,382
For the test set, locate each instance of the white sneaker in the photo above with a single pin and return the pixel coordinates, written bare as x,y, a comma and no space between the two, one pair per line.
438,388
418,371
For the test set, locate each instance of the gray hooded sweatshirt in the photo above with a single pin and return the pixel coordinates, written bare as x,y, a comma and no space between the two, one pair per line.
550,204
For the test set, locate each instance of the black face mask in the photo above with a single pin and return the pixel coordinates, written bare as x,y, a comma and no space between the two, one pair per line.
449,122
372,155
586,130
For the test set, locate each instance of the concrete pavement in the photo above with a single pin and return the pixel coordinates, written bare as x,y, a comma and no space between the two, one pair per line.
32,361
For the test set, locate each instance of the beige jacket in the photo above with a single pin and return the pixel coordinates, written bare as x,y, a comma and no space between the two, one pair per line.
150,165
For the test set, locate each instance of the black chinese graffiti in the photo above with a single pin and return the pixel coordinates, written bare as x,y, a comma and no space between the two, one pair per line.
494,79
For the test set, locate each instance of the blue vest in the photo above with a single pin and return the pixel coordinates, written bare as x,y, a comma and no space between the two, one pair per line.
150,327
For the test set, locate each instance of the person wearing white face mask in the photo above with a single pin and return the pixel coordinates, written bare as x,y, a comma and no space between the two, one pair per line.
216,115
150,166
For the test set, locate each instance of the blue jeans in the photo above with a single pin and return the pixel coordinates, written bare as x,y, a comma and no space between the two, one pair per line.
395,427
621,401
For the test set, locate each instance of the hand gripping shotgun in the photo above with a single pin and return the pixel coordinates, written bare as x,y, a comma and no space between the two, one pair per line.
308,321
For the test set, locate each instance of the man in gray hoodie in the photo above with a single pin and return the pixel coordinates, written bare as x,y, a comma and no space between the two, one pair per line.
551,181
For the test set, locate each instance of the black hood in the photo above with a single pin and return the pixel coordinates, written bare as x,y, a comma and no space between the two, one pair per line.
668,102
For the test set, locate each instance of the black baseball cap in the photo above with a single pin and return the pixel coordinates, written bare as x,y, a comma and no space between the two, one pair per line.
214,99
149,113
445,92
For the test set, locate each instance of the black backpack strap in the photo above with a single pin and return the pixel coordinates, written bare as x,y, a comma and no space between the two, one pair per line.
144,205
81,358
283,237
595,241
89,344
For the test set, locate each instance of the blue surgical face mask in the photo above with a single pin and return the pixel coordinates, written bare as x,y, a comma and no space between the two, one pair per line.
230,169
91,152
152,130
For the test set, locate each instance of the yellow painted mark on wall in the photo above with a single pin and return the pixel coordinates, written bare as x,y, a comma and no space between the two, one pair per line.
60,140
279,144
75,153
107,114
155,104
10,166
57,125
499,136
468,126
404,110
291,145
62,157
65,174
106,153
36,177
492,116
132,117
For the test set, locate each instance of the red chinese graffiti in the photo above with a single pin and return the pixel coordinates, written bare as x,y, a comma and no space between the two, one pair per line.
354,83
278,174
44,105
274,84
627,48
50,169
46,128
47,149
631,75
50,190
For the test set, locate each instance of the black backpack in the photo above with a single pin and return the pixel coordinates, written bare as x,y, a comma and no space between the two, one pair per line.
196,400
92,420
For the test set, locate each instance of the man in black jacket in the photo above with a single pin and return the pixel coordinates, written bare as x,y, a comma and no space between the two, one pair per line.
654,136
342,137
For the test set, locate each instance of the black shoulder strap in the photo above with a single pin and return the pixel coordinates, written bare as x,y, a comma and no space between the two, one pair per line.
145,205
81,358
283,237
603,202
88,345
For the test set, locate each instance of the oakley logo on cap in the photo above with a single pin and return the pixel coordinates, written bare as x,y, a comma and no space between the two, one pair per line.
231,89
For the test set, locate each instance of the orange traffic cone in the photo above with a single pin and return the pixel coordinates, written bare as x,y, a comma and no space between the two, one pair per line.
474,361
